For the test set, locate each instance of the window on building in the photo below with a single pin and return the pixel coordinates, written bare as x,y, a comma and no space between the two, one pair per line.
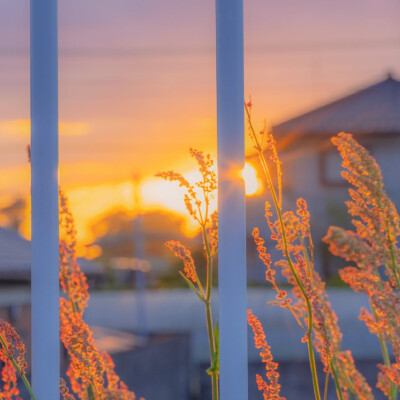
330,168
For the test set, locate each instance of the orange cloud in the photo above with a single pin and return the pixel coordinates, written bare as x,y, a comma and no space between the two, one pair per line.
22,128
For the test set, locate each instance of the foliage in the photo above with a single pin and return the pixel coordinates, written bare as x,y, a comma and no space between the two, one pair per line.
91,373
291,233
373,246
172,279
271,390
12,354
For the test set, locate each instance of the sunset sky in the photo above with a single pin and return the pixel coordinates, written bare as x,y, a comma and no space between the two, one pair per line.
137,83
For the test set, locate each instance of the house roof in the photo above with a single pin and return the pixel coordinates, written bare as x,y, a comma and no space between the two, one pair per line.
373,110
15,253
15,257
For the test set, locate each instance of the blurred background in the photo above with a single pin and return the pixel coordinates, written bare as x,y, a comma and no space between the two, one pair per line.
137,89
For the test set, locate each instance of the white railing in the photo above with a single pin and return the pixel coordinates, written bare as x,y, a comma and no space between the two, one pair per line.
44,156
231,201
44,187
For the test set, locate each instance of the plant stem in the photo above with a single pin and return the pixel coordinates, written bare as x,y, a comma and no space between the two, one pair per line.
290,262
211,341
326,385
307,259
214,383
210,327
18,369
393,257
386,358
91,394
28,386
92,388
313,366
336,380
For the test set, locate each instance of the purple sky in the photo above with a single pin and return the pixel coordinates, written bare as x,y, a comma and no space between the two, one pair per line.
140,75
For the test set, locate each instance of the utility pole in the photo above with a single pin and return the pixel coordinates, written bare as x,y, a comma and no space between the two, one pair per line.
140,255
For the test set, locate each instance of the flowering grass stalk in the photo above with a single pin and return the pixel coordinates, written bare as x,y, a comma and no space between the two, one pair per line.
12,354
198,206
270,391
312,311
260,147
91,373
372,246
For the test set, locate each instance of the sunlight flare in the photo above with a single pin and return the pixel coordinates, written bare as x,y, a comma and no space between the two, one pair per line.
253,184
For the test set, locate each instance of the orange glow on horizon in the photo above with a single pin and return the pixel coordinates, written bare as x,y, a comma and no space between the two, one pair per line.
22,128
89,203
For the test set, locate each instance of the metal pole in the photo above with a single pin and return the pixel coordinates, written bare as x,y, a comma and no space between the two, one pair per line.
44,187
140,254
140,281
231,201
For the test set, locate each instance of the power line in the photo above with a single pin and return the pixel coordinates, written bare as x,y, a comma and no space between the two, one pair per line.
161,51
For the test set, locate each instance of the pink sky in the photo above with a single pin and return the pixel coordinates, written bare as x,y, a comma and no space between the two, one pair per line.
137,78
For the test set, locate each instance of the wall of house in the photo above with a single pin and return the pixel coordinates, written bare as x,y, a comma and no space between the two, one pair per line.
387,154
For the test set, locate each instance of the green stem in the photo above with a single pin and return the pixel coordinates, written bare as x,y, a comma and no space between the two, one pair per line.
212,345
209,264
210,327
313,367
336,380
386,358
326,385
214,382
393,257
18,369
307,259
206,296
91,395
28,386
92,386
382,342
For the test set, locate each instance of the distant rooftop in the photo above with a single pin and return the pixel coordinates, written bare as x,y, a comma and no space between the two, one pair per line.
375,109
15,257
15,254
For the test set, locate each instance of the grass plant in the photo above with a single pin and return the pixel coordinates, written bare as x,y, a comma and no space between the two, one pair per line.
311,309
197,200
372,247
91,372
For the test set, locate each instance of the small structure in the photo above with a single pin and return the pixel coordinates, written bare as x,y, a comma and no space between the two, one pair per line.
15,260
311,164
119,248
15,256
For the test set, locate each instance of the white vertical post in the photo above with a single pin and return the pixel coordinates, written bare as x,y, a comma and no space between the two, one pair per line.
140,275
231,201
44,187
140,255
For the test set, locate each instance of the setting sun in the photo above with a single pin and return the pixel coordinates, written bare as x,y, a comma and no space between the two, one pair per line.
90,202
253,184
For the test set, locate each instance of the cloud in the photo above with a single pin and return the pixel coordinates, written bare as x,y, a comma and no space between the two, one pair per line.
22,128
